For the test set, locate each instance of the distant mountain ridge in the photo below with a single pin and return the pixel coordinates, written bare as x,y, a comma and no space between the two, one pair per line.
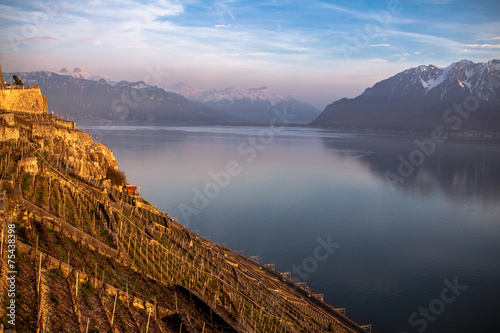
254,105
83,96
229,93
419,99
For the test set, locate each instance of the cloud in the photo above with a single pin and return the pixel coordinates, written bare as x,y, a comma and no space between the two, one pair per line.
367,16
483,46
129,14
349,11
36,39
376,60
425,38
380,45
97,23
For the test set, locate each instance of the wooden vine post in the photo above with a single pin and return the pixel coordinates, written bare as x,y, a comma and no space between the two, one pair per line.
149,317
114,308
76,287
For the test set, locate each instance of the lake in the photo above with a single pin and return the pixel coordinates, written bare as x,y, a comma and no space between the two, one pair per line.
403,232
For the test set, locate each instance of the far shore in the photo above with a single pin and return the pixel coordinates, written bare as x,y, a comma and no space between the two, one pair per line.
109,125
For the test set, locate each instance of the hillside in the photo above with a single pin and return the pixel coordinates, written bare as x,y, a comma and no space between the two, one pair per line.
78,254
463,97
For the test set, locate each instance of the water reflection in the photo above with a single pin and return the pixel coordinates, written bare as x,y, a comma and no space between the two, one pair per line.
462,170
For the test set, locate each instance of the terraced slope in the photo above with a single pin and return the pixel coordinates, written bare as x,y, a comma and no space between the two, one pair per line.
89,258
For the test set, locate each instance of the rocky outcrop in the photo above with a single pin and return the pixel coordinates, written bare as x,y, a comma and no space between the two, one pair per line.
76,150
54,136
9,133
30,165
8,118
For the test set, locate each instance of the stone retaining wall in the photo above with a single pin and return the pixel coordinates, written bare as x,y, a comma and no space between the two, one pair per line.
24,100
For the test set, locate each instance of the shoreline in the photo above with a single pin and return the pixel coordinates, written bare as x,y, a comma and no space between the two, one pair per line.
468,135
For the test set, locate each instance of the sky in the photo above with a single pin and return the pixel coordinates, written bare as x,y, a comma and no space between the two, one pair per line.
317,51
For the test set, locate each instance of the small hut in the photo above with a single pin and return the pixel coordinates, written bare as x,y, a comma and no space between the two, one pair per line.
130,190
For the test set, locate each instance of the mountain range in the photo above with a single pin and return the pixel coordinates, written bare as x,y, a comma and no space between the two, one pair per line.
464,96
254,105
83,96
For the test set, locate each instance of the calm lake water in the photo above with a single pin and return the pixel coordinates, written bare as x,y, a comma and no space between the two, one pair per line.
405,248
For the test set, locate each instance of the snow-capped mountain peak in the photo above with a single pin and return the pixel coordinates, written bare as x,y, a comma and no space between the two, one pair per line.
226,94
431,77
424,80
494,64
465,73
81,74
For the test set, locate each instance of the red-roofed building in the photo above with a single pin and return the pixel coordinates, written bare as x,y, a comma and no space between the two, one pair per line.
130,190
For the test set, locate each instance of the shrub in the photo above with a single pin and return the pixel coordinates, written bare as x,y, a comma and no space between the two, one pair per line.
116,176
17,80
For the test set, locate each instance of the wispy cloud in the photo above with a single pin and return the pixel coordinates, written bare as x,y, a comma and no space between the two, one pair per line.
350,11
425,38
369,15
483,46
376,60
